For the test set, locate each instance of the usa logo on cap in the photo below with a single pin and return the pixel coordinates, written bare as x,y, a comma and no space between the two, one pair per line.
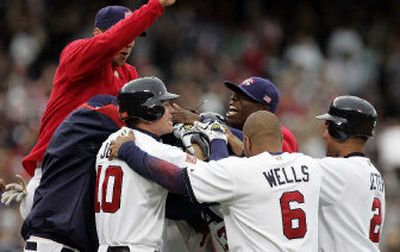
248,82
267,99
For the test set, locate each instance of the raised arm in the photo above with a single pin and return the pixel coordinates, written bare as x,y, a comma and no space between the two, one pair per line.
85,56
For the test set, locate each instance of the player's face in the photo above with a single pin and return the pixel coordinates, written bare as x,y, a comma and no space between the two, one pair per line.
123,55
332,149
164,125
240,107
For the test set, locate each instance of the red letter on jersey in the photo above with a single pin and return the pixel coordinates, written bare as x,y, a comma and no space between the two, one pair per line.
375,221
289,215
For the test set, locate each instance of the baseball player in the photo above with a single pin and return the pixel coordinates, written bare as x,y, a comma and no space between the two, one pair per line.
130,210
62,217
253,94
352,201
88,67
269,199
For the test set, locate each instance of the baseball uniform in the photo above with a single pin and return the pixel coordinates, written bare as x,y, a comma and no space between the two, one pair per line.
352,207
130,210
214,216
269,202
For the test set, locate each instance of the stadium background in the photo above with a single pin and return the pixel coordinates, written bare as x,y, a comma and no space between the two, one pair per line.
312,50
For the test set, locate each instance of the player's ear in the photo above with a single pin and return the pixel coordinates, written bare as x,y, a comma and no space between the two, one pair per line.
246,145
96,31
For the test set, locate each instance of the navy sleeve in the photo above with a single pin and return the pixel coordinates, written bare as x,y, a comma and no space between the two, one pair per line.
63,208
166,174
219,149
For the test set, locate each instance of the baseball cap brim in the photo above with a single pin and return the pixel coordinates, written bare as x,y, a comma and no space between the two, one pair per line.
328,117
237,89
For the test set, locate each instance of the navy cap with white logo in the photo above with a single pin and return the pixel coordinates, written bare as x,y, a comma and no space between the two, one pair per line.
258,89
110,15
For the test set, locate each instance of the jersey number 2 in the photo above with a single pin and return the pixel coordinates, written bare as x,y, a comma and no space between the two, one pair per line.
294,220
110,206
376,221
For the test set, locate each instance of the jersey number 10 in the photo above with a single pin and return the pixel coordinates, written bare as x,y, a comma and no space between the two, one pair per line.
110,206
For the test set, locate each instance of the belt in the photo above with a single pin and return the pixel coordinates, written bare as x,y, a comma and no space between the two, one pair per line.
30,245
118,249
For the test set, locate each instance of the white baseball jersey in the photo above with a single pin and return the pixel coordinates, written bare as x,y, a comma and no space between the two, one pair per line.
352,205
269,202
130,210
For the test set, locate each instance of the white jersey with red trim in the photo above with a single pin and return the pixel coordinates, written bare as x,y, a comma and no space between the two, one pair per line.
269,202
352,205
130,210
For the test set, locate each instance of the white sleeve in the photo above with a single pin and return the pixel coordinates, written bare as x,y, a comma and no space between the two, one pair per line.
333,182
26,204
176,156
213,181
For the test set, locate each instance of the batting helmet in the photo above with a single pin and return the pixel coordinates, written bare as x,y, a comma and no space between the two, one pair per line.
142,98
350,116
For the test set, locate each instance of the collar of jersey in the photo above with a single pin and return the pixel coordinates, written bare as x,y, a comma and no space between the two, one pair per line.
355,154
148,133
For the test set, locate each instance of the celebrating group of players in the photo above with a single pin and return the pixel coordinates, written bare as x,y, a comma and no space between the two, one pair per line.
116,159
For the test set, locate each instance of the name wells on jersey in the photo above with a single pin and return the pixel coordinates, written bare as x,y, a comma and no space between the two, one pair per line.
287,175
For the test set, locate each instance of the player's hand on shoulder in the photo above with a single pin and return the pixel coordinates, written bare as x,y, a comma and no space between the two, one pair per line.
167,2
14,191
212,129
116,144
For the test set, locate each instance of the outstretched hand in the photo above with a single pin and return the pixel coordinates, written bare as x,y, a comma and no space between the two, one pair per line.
185,132
212,129
167,2
116,144
183,115
14,191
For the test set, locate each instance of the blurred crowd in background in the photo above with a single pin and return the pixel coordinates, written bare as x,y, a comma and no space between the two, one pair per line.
312,50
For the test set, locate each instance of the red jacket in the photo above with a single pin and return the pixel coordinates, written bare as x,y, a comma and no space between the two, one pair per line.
289,143
86,70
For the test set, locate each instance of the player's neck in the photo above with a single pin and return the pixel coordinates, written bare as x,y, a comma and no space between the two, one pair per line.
258,150
349,147
148,131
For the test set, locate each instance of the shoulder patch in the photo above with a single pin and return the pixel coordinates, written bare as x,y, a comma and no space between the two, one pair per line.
190,159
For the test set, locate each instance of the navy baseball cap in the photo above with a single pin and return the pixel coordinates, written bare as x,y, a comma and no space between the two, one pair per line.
258,89
110,15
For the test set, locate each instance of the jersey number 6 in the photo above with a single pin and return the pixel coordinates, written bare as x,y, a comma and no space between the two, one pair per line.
294,220
113,174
